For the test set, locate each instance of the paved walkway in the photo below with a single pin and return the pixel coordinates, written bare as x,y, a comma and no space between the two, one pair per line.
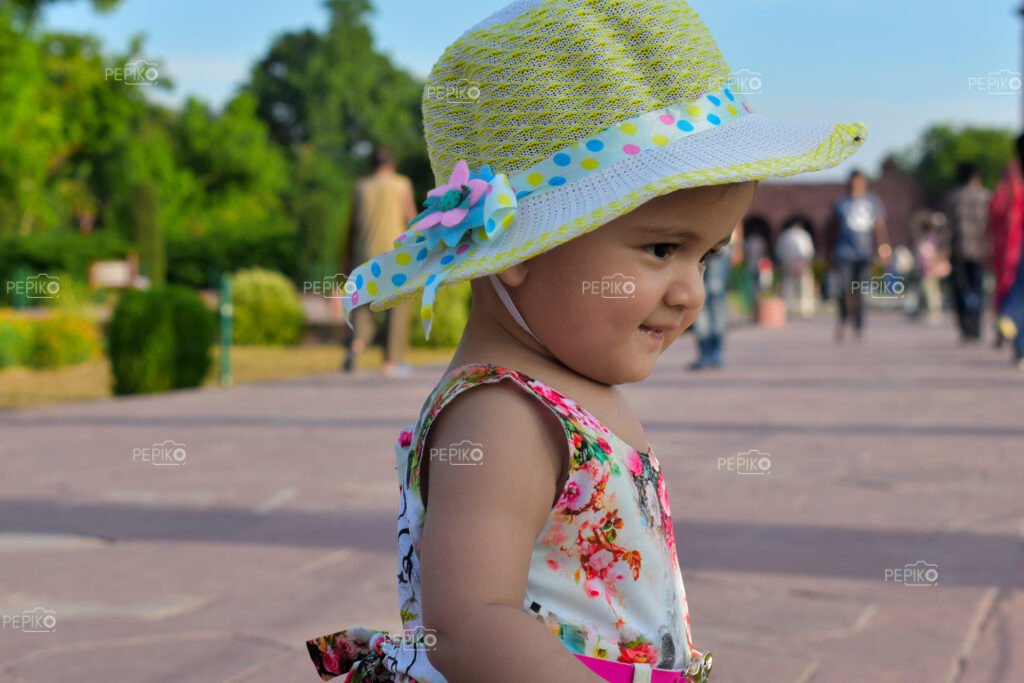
279,524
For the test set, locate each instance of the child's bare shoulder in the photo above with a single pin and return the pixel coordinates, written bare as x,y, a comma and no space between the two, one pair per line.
507,430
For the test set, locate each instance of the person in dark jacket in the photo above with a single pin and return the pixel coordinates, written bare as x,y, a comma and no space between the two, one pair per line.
858,223
967,220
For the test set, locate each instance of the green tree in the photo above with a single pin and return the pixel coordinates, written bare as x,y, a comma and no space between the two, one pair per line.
27,11
934,158
241,174
362,98
327,99
279,83
264,181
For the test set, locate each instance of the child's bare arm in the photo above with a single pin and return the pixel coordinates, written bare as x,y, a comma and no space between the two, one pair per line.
480,527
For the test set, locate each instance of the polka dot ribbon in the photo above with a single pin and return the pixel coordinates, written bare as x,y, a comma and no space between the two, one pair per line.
473,208
467,210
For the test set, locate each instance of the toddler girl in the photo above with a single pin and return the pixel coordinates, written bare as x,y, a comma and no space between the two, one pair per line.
590,156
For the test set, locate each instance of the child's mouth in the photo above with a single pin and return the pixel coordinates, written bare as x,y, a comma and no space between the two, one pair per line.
652,333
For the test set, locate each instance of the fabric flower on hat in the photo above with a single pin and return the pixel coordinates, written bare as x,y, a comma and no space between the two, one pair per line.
467,211
481,205
462,204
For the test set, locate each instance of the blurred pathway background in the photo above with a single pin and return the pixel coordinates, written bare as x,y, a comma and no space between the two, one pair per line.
278,525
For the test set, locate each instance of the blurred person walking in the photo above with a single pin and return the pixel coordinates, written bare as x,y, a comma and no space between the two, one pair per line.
858,220
754,248
1007,228
1006,217
795,250
712,322
931,262
966,212
382,205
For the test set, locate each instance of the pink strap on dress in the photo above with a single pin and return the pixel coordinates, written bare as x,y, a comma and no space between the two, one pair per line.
621,672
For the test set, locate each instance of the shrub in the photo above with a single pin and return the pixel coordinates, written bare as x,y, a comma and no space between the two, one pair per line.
159,340
62,340
15,340
267,309
62,254
47,342
197,260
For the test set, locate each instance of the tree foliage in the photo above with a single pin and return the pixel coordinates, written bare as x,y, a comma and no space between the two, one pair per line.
941,148
77,143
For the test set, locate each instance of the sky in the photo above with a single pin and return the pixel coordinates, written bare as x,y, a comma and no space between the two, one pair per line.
896,65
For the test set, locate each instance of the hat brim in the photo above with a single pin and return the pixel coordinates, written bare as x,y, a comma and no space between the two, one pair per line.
749,148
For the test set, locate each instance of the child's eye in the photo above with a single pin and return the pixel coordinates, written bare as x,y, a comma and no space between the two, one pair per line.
668,245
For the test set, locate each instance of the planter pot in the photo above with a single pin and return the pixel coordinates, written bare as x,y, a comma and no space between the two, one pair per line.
771,311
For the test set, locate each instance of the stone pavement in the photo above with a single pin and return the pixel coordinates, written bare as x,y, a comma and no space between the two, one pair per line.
278,525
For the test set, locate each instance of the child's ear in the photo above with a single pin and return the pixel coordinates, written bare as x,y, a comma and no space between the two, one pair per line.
513,276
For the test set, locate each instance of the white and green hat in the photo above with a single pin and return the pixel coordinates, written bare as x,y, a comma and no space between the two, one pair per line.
551,118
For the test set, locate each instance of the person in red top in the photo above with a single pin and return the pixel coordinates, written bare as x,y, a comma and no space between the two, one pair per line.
1006,220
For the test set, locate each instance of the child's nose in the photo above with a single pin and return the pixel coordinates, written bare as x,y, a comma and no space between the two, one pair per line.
686,290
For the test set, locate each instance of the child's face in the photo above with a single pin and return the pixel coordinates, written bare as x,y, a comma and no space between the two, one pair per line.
589,298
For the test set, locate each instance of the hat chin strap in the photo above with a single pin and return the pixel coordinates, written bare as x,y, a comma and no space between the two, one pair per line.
511,307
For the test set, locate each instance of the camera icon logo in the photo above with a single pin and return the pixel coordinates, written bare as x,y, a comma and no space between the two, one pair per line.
467,90
1002,82
42,286
419,638
617,286
462,90
141,72
749,462
337,286
39,620
887,286
742,82
920,573
164,453
462,453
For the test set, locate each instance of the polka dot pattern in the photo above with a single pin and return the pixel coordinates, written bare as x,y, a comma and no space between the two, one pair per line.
630,138
447,246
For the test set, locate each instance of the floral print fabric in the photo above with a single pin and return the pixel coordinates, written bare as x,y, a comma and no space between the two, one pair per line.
604,574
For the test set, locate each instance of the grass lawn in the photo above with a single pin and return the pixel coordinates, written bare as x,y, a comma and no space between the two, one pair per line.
23,387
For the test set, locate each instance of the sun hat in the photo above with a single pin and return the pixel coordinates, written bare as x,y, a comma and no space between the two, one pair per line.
551,118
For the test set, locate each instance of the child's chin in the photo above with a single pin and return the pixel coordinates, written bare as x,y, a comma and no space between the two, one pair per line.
636,370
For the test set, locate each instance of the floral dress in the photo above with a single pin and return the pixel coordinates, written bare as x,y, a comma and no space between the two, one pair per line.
604,575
